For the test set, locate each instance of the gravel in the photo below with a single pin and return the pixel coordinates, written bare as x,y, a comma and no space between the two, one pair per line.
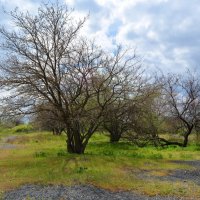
187,174
81,192
183,175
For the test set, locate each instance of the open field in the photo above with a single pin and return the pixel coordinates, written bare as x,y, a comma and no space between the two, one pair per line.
41,158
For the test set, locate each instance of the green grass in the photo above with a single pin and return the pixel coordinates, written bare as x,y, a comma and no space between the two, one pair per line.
42,159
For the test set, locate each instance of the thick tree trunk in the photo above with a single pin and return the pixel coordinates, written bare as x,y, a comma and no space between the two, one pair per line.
74,142
74,147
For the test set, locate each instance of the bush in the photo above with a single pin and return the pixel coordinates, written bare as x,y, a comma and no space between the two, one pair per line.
80,170
22,128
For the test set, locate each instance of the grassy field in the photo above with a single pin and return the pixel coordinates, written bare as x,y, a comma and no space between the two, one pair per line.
41,158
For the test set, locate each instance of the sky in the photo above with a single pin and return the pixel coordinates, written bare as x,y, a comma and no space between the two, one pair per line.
165,33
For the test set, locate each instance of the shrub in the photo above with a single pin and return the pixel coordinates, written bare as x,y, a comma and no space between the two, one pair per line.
22,128
81,169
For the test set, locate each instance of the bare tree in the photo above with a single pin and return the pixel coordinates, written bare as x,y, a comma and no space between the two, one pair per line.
182,95
48,63
48,118
116,119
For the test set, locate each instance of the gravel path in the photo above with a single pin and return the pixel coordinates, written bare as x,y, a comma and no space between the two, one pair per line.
187,174
81,192
182,175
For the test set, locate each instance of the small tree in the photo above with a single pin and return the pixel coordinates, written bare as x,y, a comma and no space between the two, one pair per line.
182,95
116,119
145,119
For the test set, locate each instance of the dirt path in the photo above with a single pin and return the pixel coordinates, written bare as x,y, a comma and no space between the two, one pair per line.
5,143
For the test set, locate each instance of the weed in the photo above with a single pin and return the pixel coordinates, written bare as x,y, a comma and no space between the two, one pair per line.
186,156
80,170
155,156
61,153
197,147
40,154
137,155
108,153
170,155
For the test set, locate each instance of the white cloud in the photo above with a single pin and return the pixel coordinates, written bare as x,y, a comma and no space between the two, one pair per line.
22,4
166,33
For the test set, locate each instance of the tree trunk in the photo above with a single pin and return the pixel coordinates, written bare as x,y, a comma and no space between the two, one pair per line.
115,137
75,147
57,131
185,141
74,142
166,142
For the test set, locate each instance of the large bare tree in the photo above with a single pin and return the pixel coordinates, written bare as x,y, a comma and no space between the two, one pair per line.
49,62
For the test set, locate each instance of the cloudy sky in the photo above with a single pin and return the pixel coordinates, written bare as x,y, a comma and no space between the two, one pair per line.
166,33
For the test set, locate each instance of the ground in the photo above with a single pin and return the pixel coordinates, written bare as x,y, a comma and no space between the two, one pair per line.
32,162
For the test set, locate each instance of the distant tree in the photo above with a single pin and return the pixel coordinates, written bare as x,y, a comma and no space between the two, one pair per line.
145,119
182,96
48,118
49,63
116,119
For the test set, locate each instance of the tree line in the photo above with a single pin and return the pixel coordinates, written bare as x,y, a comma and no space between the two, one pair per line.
71,85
